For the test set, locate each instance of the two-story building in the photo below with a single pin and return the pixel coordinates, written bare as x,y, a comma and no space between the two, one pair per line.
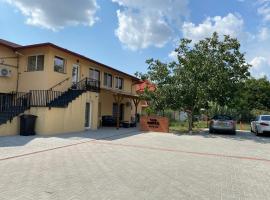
68,92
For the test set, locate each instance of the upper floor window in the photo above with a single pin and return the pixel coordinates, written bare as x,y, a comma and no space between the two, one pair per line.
107,80
35,63
94,74
59,64
118,82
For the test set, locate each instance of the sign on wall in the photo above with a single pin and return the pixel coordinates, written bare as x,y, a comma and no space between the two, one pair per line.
154,123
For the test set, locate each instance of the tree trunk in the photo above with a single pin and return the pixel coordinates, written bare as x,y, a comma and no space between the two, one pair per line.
190,121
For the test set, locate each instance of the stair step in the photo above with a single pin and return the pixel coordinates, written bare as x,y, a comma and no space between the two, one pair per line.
63,100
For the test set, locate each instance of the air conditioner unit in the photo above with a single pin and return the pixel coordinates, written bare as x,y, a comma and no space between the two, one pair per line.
5,72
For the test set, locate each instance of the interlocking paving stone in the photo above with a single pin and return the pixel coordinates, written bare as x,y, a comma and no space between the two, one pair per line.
126,164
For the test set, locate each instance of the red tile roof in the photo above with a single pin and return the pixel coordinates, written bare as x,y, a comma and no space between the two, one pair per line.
145,84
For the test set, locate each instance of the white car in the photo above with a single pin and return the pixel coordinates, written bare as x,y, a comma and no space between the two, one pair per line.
260,125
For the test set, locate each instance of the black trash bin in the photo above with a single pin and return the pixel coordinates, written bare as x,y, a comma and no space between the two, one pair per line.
27,125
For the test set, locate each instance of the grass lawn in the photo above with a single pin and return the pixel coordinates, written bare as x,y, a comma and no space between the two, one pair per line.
182,127
244,126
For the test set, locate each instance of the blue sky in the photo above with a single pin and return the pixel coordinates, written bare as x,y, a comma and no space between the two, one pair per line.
124,33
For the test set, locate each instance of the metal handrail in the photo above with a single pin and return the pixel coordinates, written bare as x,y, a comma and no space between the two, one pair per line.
60,83
87,84
14,101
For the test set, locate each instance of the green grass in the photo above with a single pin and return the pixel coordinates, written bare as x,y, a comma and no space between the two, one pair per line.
244,126
182,127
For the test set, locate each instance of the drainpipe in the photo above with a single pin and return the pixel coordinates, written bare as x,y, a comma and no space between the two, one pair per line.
17,83
18,73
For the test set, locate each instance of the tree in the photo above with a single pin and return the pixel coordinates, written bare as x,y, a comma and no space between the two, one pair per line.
211,70
254,95
158,74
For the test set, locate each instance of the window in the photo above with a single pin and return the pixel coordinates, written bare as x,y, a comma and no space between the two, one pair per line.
118,83
107,80
59,64
265,118
94,74
35,63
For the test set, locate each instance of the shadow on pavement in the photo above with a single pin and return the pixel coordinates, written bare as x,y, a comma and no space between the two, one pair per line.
108,134
240,136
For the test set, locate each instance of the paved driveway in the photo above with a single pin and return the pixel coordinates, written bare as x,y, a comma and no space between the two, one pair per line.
127,164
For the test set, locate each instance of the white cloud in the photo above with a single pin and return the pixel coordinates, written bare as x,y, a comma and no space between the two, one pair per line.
57,14
145,23
173,55
229,25
260,67
264,9
264,34
140,31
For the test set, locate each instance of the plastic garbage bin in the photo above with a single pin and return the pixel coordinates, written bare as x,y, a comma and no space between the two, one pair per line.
27,125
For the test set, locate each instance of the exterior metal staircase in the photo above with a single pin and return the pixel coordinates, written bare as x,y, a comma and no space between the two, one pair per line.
16,103
67,97
13,104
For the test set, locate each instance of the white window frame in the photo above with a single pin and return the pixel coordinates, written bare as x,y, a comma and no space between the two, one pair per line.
65,63
36,56
116,85
107,80
95,69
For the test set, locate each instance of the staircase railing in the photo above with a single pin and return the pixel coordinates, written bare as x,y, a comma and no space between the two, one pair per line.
42,98
60,83
15,101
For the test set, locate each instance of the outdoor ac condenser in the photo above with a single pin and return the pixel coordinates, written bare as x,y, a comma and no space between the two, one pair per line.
5,72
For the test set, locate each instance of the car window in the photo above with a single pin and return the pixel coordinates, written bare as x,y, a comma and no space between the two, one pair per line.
257,119
222,117
265,118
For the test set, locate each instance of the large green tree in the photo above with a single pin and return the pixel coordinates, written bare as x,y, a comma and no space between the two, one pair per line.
254,95
211,70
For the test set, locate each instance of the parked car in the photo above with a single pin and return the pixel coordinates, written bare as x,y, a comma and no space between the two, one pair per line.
222,123
260,125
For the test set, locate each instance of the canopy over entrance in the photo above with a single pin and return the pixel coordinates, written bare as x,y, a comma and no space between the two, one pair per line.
119,96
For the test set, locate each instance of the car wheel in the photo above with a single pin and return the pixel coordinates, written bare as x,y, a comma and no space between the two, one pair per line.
233,132
257,132
211,130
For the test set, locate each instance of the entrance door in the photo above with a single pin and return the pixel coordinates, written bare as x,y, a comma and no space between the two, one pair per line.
87,115
121,111
75,74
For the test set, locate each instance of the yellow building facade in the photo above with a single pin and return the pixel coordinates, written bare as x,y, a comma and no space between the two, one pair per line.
67,92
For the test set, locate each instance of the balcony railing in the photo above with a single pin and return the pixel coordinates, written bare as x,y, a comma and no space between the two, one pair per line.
87,84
